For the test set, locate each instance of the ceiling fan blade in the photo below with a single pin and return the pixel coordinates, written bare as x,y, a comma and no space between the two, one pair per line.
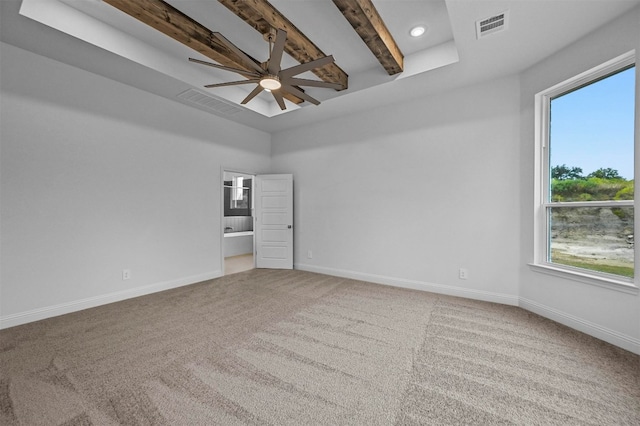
222,67
300,94
232,83
308,66
253,94
279,99
277,51
243,56
313,83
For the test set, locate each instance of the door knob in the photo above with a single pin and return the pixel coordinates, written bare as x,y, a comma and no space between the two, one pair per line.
289,226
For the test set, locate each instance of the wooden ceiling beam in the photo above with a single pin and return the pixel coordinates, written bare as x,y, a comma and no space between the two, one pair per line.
365,19
263,17
170,21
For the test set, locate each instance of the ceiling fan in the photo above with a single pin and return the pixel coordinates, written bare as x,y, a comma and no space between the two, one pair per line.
269,76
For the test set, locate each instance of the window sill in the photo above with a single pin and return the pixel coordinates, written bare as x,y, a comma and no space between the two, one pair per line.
608,283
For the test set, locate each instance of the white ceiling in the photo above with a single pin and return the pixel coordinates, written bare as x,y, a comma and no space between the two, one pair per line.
99,38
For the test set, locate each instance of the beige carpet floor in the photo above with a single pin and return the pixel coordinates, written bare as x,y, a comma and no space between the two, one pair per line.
267,347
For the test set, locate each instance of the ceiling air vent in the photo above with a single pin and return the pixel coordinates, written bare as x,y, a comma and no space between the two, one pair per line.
491,25
208,102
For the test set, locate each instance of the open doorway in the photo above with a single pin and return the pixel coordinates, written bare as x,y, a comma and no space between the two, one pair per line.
238,242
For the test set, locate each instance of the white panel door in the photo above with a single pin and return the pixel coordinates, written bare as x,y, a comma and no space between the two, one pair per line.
274,221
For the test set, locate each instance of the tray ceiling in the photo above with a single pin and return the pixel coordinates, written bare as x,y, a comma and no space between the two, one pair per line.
321,21
97,37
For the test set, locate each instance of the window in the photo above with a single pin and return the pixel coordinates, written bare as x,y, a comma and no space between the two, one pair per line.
585,187
237,196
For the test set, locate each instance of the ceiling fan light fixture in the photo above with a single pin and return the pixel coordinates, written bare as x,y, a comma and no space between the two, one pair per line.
270,82
270,76
417,31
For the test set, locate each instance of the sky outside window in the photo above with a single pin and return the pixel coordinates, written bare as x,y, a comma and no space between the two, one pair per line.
593,127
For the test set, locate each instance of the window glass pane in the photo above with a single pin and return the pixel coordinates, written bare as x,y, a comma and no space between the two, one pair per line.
244,198
591,140
595,238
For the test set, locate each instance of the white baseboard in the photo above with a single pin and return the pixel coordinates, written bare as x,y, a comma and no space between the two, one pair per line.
621,340
487,296
91,302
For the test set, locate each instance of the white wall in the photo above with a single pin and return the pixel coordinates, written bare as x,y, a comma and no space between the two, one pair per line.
97,177
408,194
608,314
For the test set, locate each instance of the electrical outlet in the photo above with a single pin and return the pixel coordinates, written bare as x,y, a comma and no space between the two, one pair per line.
463,274
126,274
309,254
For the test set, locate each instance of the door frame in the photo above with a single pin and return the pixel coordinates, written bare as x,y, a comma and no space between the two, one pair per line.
224,170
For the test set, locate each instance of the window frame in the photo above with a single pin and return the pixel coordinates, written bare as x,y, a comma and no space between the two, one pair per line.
543,201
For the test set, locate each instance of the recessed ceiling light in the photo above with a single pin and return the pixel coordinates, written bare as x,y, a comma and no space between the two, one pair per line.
417,31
